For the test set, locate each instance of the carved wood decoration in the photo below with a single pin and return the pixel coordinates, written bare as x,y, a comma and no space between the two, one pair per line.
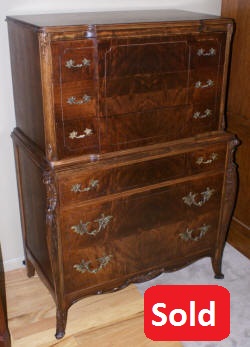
132,172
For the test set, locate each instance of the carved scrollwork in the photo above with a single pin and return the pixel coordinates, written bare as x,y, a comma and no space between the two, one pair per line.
231,177
51,196
44,39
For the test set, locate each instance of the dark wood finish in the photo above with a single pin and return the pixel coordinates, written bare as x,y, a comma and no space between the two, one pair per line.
137,175
147,86
5,340
238,106
115,17
26,77
118,177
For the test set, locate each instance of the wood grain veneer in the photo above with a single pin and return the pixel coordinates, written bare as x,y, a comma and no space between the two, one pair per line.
137,174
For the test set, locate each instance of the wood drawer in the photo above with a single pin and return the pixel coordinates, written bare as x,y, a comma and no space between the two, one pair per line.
143,93
97,181
164,124
132,254
122,216
133,129
142,57
75,99
206,159
73,60
207,50
82,226
89,184
205,85
149,93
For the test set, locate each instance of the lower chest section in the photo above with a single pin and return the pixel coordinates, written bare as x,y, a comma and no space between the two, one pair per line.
120,221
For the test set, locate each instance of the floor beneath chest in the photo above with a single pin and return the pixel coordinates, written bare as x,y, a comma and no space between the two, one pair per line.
236,268
106,320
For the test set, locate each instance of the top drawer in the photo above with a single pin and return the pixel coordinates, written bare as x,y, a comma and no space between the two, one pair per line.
73,61
96,181
207,50
166,54
136,58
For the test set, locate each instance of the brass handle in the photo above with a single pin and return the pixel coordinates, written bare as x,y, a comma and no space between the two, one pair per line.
82,228
199,115
86,132
73,100
77,188
70,64
202,161
85,266
202,52
187,235
190,199
208,84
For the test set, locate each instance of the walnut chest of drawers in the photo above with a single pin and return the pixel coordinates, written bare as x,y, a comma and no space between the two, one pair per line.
124,167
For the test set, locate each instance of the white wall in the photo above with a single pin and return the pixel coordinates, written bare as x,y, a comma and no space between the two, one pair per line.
10,230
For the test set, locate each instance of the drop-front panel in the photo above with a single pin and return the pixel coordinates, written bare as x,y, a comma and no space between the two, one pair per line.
124,167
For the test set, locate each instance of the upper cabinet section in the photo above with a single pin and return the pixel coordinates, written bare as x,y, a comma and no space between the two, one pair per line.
114,82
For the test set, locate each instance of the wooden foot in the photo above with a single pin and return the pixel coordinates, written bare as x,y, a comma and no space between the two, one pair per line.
29,268
59,335
216,263
61,319
219,276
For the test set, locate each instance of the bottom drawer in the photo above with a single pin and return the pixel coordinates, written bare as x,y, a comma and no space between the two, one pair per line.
94,266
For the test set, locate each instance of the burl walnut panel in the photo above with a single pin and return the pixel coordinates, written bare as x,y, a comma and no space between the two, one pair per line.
124,167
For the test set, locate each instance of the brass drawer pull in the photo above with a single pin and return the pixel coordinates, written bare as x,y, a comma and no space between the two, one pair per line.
82,228
190,199
77,188
85,266
199,84
202,52
202,161
199,115
70,64
73,100
187,235
86,132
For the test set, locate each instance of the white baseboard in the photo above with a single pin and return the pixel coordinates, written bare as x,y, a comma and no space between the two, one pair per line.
13,264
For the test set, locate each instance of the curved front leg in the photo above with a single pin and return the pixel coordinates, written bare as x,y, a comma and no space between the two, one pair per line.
52,242
228,201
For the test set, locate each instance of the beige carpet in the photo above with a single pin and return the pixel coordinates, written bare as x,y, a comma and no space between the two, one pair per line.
236,269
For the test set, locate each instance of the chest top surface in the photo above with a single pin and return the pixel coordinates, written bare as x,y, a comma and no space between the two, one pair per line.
113,17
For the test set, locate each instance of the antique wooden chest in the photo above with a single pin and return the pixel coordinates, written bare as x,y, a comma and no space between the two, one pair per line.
124,166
